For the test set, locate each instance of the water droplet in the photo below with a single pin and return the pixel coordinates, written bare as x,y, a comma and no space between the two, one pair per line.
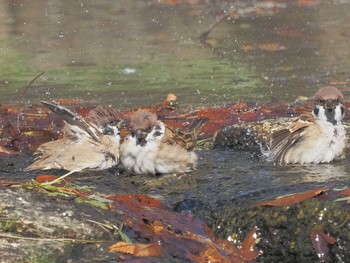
128,71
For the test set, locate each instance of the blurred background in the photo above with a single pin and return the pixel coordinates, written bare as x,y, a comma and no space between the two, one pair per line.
133,53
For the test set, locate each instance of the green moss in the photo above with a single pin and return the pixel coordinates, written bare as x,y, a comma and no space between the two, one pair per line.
38,258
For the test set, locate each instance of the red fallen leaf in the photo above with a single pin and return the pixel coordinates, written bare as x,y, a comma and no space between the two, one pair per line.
247,48
345,192
12,110
31,139
180,236
69,101
293,198
249,116
320,242
211,255
248,249
8,129
4,150
304,3
271,47
6,183
138,250
136,200
49,178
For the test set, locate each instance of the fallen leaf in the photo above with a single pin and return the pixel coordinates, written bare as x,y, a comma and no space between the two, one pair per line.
6,183
68,101
293,198
136,200
138,250
271,47
339,83
247,48
248,249
45,178
345,192
306,3
320,242
4,150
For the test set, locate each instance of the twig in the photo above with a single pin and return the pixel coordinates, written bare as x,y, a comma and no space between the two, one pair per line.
30,83
105,227
204,35
54,239
24,93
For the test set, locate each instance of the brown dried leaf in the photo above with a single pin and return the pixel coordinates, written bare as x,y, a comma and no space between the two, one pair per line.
138,250
272,47
46,178
248,249
293,198
4,150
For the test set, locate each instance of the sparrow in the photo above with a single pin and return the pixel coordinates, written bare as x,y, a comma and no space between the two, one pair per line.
91,143
316,137
152,147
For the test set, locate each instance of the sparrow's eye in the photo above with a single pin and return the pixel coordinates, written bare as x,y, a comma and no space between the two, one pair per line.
149,129
322,102
112,122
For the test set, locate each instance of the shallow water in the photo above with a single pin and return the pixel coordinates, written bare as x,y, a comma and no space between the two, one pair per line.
133,53
111,50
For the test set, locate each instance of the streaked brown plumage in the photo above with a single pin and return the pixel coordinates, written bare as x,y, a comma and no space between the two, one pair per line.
154,148
315,137
84,145
319,137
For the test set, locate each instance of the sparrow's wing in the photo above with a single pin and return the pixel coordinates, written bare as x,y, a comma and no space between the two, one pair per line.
186,139
101,116
74,120
284,139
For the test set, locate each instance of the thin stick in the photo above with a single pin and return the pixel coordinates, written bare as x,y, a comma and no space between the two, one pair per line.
204,35
30,83
54,239
59,178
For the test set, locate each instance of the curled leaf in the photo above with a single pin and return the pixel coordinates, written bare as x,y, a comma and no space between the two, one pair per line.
138,250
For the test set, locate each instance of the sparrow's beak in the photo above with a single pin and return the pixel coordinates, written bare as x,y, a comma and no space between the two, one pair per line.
122,124
330,105
140,137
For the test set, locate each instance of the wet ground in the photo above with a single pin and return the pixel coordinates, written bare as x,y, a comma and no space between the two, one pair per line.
131,54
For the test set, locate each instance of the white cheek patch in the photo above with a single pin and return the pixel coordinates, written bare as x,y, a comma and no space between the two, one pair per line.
156,133
321,115
338,116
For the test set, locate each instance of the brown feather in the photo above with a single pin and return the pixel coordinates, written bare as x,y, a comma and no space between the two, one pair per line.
187,138
72,118
101,116
282,140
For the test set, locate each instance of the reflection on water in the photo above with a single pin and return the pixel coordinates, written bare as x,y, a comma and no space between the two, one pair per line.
85,48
